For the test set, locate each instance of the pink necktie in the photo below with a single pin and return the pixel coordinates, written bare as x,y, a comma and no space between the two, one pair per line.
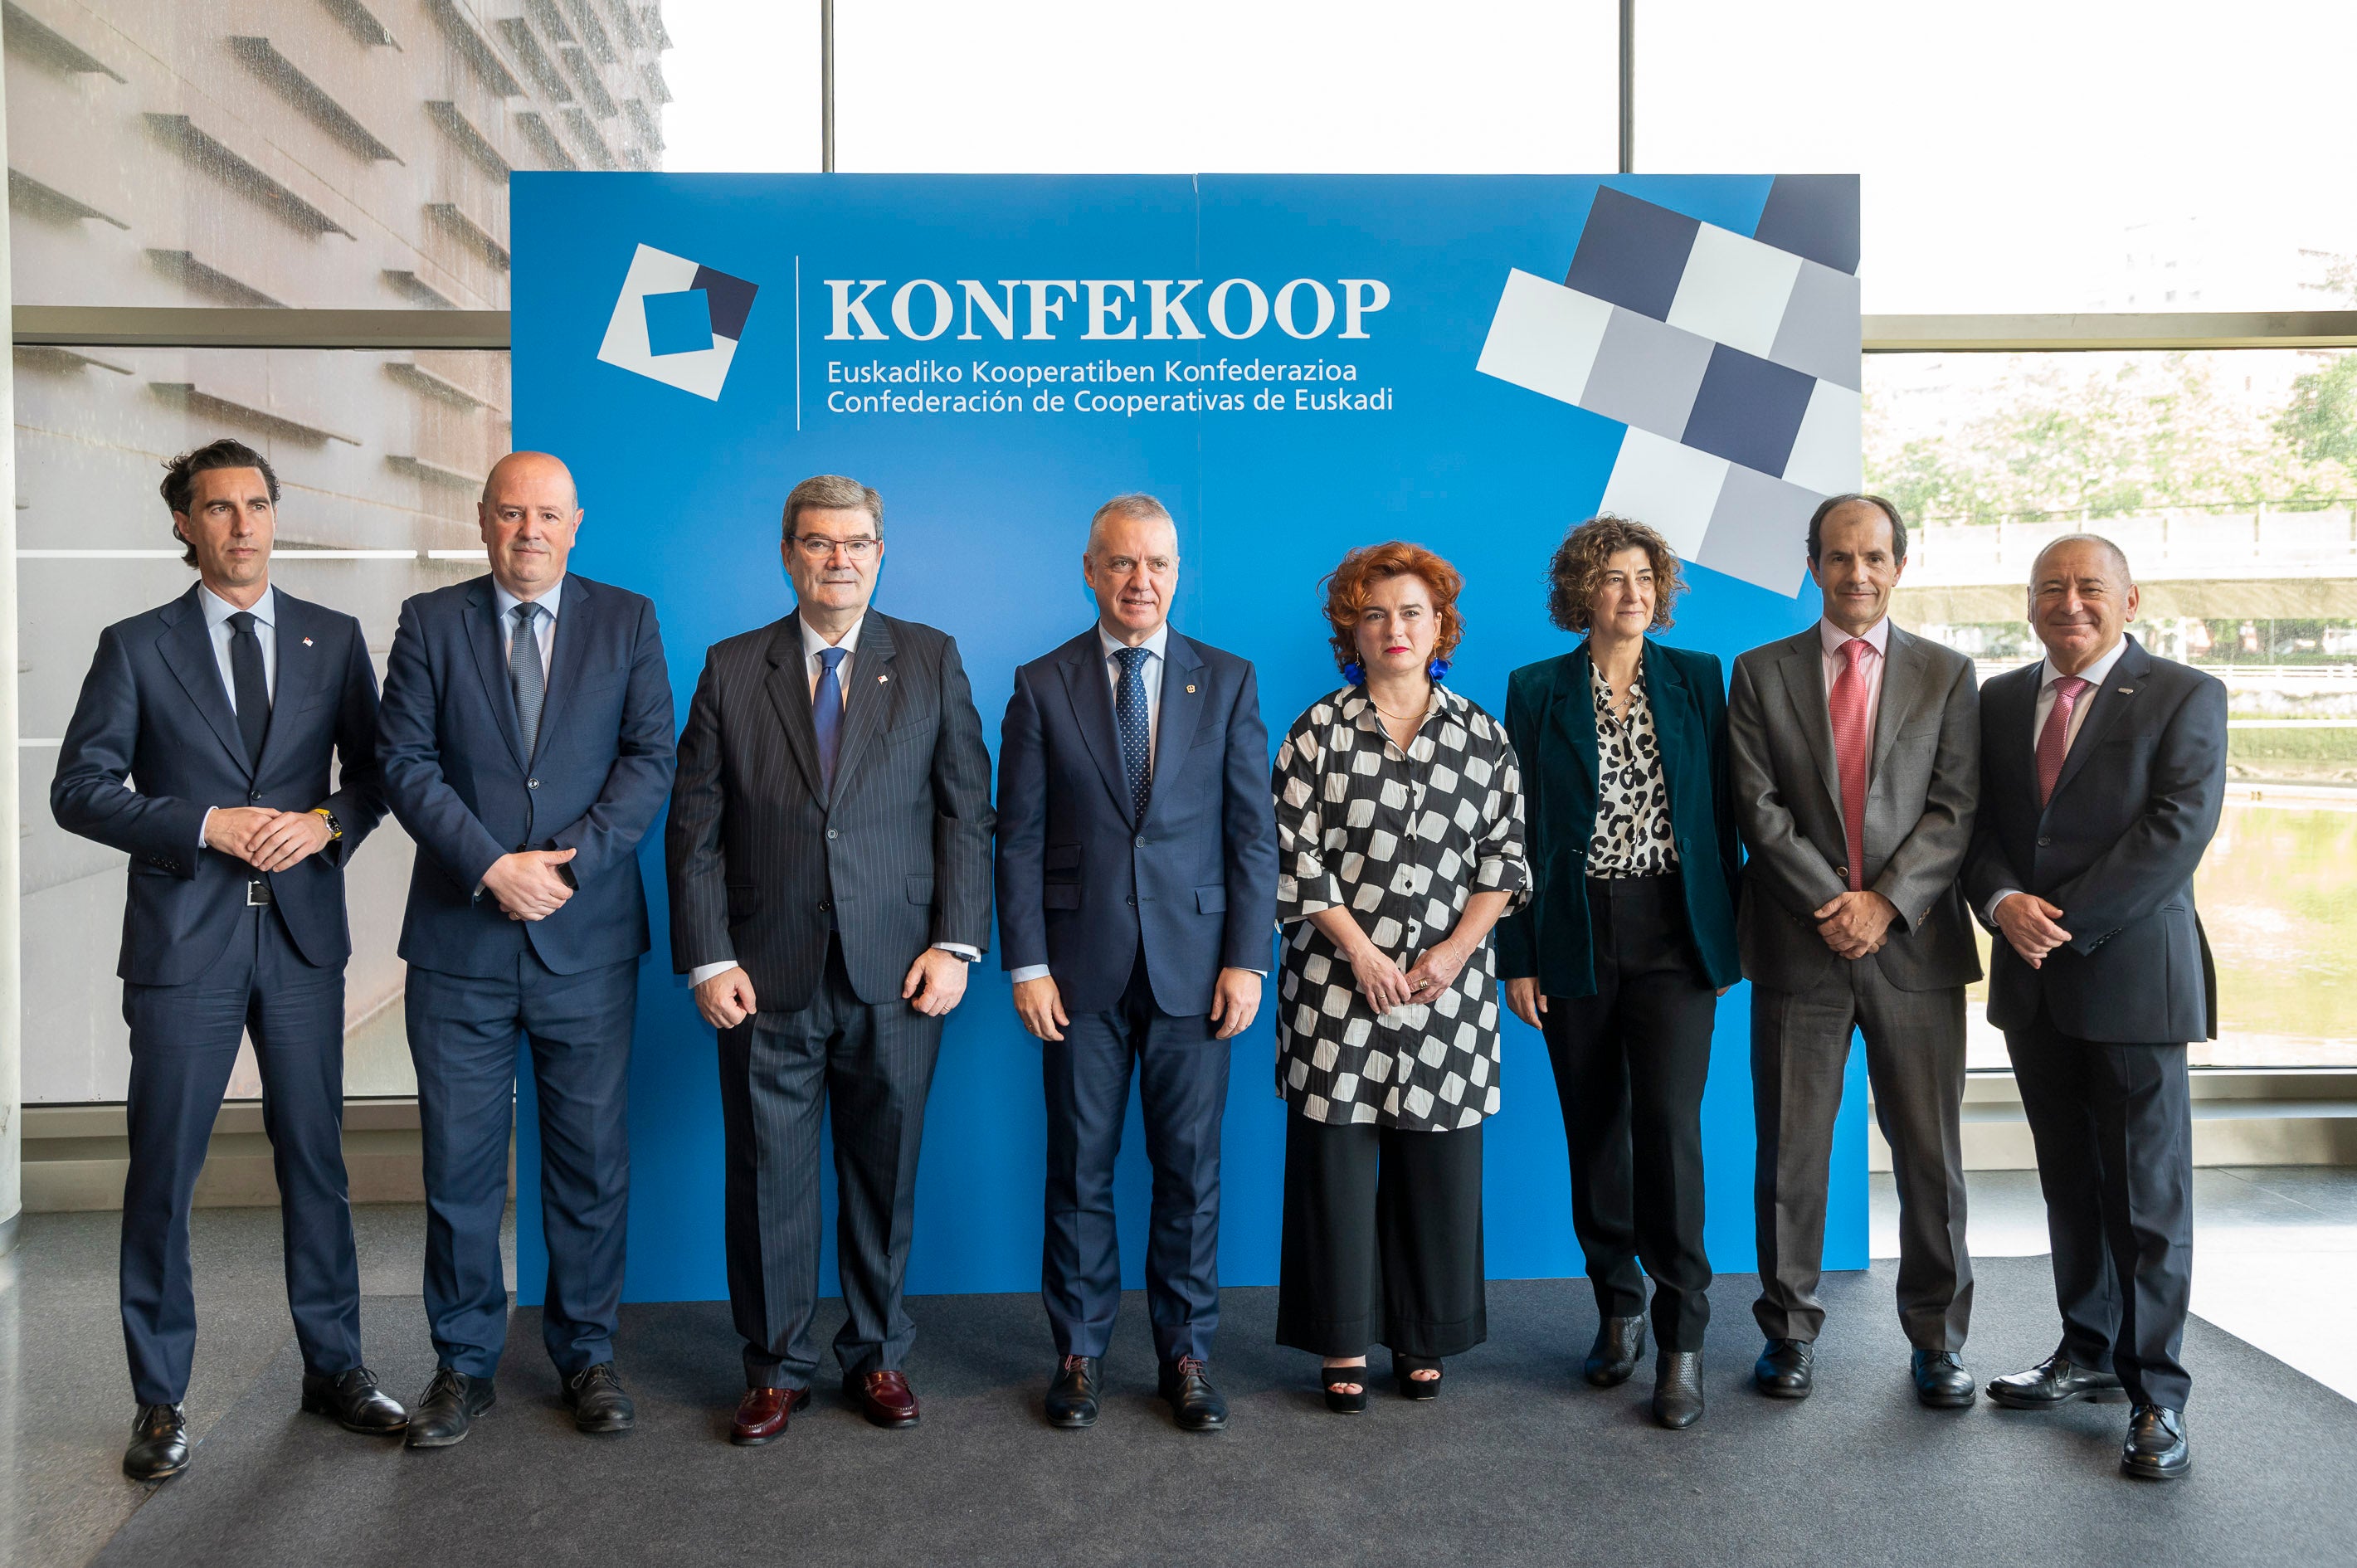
2054,740
1848,703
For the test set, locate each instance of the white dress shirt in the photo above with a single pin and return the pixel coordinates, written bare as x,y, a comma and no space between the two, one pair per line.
544,626
1875,637
814,644
2095,674
217,628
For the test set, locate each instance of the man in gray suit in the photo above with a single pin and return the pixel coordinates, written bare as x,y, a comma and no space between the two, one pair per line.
1856,763
829,854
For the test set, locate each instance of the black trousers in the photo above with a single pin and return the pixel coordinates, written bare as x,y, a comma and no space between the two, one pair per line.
2112,1125
1182,1071
1629,1062
1383,1240
183,1044
781,1076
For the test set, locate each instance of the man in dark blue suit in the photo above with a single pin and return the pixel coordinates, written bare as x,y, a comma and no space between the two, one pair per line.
1136,895
200,748
527,746
2102,773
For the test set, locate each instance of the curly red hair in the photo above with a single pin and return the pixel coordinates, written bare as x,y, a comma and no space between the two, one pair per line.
1347,585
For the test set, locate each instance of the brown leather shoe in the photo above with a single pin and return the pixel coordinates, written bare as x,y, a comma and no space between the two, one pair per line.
762,1414
885,1398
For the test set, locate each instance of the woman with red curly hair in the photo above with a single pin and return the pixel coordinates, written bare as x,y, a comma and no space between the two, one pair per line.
1629,938
1399,817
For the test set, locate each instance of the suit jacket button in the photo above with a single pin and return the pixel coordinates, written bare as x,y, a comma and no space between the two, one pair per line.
1141,841
254,795
830,832
532,783
824,905
1841,872
1131,900
2043,840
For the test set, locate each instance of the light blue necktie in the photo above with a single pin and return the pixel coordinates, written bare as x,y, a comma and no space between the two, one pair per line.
526,675
1129,722
826,714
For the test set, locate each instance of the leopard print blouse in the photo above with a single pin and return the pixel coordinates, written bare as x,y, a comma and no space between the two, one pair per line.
1632,836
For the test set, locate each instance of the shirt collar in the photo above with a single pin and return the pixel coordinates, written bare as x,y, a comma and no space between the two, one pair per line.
506,602
814,644
1154,645
2095,674
1877,637
217,609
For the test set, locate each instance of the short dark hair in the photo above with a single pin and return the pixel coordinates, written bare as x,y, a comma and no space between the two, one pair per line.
180,486
1825,509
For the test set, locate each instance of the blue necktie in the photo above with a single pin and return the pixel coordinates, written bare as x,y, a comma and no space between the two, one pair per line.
826,714
526,677
1129,722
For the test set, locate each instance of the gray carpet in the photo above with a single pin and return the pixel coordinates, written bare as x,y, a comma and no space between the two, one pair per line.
1517,1462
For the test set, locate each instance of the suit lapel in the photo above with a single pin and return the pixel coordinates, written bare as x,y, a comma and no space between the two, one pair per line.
568,655
870,698
1575,712
2008,750
188,650
492,665
298,674
1091,694
1665,692
2110,700
790,693
1803,672
1181,707
1903,664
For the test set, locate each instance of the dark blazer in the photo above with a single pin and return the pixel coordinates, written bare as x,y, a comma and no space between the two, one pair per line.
1923,776
1551,718
761,858
1079,884
2114,849
153,710
459,781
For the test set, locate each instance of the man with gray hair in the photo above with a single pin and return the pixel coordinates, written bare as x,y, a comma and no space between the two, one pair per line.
829,852
1137,898
2102,773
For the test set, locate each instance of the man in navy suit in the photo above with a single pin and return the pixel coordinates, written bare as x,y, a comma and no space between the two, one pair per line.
200,748
527,746
1136,895
2103,772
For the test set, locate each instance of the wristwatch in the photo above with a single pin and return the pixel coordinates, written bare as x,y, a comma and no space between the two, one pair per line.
335,828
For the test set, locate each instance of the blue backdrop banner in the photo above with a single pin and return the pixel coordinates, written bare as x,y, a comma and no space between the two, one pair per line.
1295,366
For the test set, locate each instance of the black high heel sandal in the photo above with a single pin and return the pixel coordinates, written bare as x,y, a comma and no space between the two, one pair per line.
1338,1401
1410,1386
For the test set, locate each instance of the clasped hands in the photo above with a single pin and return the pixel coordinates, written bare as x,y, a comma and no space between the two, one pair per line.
2030,924
1855,924
527,884
264,838
1388,988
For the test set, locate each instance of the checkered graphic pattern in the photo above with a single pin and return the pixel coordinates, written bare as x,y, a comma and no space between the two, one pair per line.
1734,363
1129,724
1401,840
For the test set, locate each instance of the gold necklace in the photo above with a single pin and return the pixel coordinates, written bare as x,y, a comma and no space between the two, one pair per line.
1403,718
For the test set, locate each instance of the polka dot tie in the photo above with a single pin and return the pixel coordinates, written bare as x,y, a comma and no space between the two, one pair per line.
1129,722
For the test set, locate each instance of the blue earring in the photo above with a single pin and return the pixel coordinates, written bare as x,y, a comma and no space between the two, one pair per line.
1438,669
1355,673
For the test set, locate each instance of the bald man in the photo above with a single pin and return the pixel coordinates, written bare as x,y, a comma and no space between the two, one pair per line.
527,744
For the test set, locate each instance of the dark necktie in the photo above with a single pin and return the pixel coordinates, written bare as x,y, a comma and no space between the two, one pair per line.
529,680
247,681
826,714
1129,722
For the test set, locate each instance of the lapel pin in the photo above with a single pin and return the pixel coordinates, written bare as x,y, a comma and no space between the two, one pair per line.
306,642
1190,689
2128,691
881,679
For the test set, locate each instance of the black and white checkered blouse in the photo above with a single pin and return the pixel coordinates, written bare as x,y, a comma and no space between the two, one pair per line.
1401,840
1632,836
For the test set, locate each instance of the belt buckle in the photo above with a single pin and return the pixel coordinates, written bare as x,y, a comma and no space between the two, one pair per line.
257,893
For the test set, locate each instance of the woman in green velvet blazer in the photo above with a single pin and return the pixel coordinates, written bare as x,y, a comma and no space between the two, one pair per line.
1629,939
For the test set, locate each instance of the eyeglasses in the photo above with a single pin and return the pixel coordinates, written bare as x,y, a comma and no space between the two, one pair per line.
818,547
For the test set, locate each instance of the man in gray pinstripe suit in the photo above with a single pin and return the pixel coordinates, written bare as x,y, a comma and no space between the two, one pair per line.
829,854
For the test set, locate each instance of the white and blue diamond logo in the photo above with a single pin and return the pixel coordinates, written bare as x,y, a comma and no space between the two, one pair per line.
677,322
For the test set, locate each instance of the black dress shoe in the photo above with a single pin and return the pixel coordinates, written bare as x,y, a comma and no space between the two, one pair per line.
1941,1381
1786,1369
159,1444
2156,1449
449,1406
595,1396
1612,1359
355,1402
1677,1388
1195,1404
1072,1396
2054,1382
